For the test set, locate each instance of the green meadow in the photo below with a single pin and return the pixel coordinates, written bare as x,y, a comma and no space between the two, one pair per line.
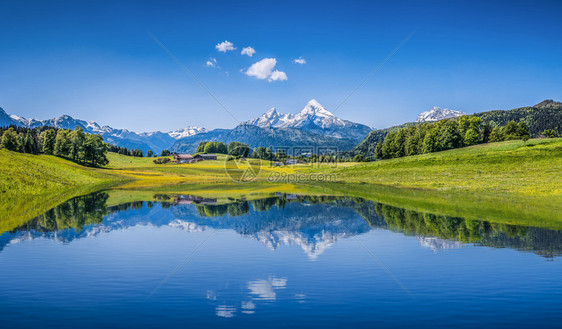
533,169
509,182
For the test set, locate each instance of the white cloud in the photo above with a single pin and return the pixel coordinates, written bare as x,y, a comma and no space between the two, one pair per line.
277,75
225,46
299,60
212,62
248,51
264,70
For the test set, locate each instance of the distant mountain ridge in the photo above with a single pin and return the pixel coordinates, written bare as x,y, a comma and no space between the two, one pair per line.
313,126
438,113
542,116
256,136
155,141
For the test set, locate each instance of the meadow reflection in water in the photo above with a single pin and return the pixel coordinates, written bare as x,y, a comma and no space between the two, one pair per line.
314,229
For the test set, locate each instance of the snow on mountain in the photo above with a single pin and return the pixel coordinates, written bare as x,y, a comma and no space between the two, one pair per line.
313,113
437,114
314,118
271,118
155,141
185,132
314,124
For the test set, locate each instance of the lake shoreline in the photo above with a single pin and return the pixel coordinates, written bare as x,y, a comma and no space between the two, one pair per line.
47,181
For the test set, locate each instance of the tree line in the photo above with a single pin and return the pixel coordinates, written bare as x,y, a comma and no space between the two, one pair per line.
75,145
236,149
445,135
125,151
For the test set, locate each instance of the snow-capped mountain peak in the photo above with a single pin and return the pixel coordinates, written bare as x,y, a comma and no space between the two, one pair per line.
271,118
187,131
313,113
314,118
315,108
437,114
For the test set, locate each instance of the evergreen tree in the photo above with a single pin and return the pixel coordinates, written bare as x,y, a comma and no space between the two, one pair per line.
21,142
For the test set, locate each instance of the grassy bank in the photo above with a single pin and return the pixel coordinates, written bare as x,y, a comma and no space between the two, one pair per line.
32,184
512,182
533,168
27,174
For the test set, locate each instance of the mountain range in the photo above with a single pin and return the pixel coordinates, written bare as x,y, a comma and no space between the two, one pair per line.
437,113
156,141
313,126
313,118
539,117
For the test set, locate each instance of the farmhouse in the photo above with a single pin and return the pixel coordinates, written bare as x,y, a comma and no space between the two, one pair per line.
188,158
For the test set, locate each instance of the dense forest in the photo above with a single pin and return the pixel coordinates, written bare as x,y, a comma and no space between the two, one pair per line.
546,115
75,145
445,135
543,117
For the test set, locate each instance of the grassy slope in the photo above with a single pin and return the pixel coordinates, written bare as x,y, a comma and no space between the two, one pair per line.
534,169
32,184
34,174
521,179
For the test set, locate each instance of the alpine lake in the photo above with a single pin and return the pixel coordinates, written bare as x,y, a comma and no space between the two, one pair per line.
281,259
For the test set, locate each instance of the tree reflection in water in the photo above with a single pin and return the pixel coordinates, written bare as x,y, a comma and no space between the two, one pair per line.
300,221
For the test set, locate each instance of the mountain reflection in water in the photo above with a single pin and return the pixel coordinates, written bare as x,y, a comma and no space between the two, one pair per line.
312,222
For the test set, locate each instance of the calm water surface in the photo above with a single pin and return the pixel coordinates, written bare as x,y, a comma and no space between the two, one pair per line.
283,261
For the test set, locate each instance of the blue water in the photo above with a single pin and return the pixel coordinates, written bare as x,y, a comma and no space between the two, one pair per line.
295,263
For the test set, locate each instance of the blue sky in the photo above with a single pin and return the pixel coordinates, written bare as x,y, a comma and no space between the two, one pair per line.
95,60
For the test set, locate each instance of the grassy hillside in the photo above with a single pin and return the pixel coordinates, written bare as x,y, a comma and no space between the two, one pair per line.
32,184
533,168
509,181
26,174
